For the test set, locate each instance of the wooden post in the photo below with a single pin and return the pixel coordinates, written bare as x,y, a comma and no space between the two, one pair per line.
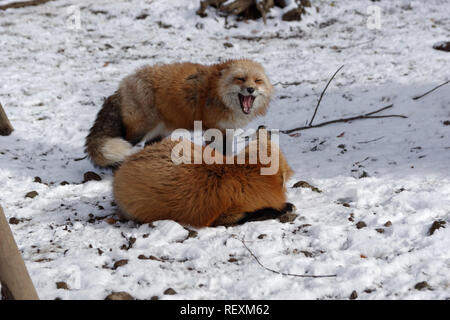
5,126
14,278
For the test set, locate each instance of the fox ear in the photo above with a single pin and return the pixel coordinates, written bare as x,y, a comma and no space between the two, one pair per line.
222,71
223,67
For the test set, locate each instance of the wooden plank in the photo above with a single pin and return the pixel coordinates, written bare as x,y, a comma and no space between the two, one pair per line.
5,126
14,278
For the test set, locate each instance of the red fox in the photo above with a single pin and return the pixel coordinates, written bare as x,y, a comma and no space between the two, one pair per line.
149,186
155,100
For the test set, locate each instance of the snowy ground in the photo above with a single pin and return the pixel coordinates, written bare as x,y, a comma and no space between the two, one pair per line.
58,62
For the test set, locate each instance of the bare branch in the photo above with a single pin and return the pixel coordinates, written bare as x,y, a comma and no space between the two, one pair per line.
364,116
418,97
282,273
14,278
369,141
22,4
321,95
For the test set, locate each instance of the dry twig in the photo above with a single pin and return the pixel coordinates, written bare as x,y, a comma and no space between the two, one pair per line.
360,117
369,141
323,92
422,95
282,273
22,4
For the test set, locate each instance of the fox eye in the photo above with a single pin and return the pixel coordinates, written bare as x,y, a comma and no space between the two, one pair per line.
240,79
258,81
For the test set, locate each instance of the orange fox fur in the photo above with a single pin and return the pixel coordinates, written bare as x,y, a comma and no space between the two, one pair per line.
148,186
155,100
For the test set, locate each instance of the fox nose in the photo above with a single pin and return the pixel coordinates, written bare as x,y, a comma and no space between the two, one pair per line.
250,90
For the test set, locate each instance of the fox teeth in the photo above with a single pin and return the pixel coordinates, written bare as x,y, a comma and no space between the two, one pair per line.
246,103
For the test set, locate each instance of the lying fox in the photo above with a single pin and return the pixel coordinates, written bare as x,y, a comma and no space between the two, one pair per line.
149,186
155,100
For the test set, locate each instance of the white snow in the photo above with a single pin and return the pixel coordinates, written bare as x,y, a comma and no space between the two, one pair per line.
58,62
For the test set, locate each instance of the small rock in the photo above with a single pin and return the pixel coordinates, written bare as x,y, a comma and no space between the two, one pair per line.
110,220
164,25
293,15
388,224
119,296
446,123
90,175
154,298
422,285
380,230
364,175
361,224
192,233
170,291
31,194
64,183
304,184
232,260
442,45
120,263
354,295
305,3
62,285
280,3
262,236
228,45
142,16
37,180
14,220
399,190
436,225
345,204
307,253
287,217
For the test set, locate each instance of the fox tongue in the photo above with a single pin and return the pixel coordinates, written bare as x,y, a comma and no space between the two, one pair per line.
247,102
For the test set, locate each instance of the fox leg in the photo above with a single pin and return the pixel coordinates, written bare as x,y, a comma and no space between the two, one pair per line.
235,218
266,213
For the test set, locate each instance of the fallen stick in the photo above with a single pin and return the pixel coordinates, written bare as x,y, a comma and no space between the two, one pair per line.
323,92
418,97
360,117
282,273
14,278
369,141
5,126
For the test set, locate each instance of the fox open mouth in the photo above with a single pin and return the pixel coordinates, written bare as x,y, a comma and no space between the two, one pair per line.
246,102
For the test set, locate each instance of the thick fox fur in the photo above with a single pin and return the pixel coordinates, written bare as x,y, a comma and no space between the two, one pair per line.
148,186
155,100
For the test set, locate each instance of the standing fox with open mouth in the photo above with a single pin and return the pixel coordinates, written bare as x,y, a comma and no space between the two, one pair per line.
156,100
